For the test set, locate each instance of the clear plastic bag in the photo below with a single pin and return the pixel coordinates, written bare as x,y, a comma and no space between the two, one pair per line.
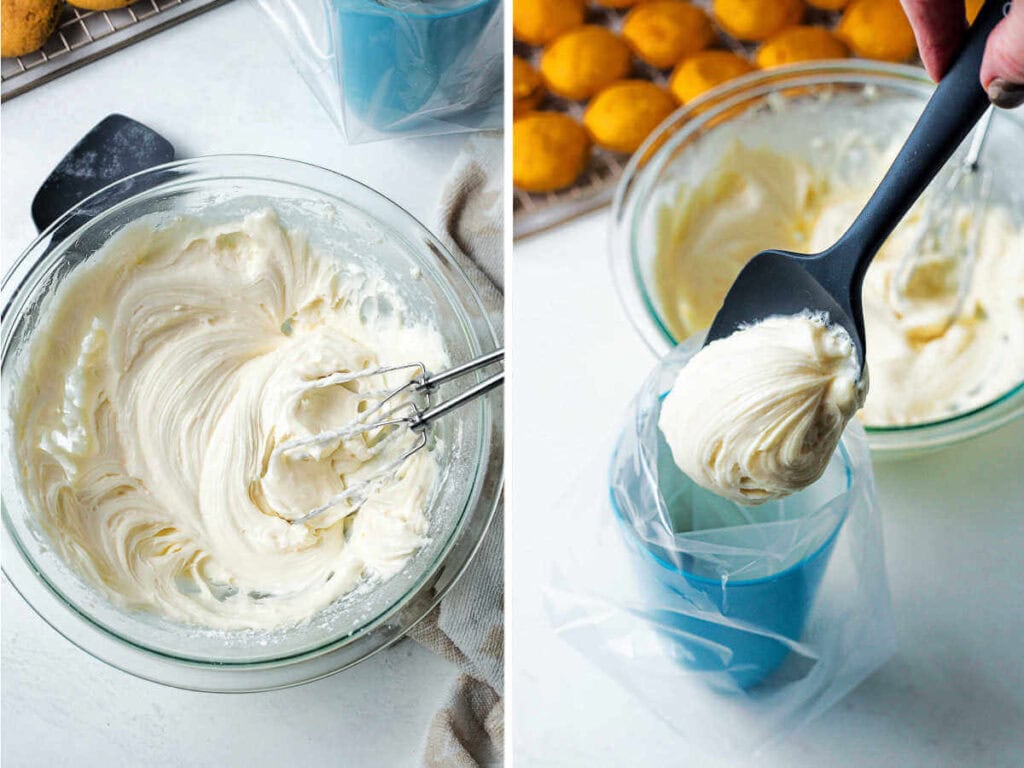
735,624
391,68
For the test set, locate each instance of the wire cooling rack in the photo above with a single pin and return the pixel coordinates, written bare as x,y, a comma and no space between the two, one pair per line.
84,36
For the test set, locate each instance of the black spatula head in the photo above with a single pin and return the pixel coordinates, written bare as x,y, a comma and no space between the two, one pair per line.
117,147
781,283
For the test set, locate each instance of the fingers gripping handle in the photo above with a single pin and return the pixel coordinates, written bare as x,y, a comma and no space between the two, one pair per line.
954,108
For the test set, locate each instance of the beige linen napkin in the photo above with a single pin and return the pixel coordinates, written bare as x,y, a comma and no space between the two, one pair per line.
468,628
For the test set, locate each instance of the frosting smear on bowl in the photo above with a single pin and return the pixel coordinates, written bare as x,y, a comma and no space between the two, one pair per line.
944,330
757,415
163,375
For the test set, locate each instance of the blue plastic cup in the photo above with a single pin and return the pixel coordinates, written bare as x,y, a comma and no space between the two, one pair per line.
407,59
732,615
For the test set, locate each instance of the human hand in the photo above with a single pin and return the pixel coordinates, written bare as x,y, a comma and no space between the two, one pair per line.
939,27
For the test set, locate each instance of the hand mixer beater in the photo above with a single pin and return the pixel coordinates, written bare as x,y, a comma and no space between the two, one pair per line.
389,415
947,241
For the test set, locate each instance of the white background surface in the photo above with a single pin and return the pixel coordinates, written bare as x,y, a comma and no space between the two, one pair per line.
954,533
953,522
218,83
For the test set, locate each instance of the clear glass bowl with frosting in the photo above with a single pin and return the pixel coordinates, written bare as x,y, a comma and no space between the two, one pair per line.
787,111
338,214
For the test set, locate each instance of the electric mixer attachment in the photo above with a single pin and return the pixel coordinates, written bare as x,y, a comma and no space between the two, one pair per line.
383,420
951,224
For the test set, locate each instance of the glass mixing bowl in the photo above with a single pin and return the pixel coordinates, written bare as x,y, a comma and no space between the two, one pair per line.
340,216
880,100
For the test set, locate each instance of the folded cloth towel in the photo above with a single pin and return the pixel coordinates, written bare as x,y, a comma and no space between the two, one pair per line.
472,217
468,627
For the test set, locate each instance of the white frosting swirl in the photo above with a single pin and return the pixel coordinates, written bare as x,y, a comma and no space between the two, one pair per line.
162,377
757,415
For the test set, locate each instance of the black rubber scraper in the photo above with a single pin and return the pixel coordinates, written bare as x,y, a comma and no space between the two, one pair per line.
117,147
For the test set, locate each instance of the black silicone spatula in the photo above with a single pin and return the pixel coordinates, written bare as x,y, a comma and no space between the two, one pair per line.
784,283
117,147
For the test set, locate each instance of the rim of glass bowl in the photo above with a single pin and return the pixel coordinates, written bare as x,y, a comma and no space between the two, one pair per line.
638,182
471,523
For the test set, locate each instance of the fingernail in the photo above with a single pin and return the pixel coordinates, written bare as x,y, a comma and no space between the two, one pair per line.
1004,94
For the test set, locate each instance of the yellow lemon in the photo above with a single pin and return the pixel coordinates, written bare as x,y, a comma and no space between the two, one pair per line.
664,31
538,22
527,87
582,62
27,24
757,19
549,151
877,29
622,115
828,5
703,71
800,44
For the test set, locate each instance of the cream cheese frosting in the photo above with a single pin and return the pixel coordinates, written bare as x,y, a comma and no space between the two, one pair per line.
757,415
161,378
922,367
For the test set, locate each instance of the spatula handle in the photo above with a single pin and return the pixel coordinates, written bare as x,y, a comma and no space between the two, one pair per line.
955,106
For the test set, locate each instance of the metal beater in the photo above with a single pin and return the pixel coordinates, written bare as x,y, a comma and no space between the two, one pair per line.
385,419
968,188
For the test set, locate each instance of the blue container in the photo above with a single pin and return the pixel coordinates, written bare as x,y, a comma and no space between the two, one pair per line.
405,62
699,612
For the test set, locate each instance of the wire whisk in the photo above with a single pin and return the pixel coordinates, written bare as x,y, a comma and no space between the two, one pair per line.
951,226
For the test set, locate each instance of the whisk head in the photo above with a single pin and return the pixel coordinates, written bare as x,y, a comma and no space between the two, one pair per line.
385,417
383,423
950,232
940,259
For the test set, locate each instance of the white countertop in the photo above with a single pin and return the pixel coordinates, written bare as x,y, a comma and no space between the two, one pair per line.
219,83
954,533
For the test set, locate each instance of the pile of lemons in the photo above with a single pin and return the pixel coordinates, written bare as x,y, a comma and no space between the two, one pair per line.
592,64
